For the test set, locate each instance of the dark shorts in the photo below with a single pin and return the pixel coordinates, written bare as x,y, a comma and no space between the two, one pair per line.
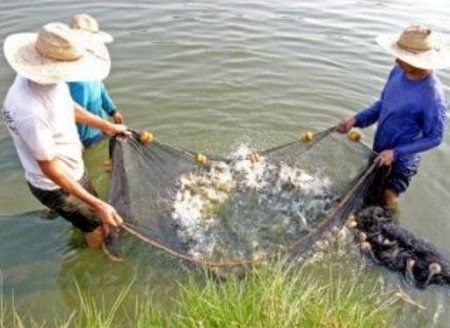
391,178
68,206
398,181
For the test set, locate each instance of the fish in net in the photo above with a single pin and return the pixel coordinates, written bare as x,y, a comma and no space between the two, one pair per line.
241,208
250,206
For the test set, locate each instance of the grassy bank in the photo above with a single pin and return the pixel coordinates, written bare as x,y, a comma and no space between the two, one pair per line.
279,296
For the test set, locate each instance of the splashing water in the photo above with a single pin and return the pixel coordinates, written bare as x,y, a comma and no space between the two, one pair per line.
244,208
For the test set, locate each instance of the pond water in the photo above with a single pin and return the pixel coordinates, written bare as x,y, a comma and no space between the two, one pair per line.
209,76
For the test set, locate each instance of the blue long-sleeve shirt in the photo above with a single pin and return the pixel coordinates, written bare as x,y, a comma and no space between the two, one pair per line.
93,96
411,116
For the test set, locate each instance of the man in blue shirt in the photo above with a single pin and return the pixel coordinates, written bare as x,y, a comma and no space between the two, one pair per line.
92,95
411,110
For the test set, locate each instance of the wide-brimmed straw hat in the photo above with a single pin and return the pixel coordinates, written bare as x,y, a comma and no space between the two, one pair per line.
57,54
418,46
88,23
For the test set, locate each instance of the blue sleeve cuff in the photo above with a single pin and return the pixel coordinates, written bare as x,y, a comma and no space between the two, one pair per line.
357,121
396,154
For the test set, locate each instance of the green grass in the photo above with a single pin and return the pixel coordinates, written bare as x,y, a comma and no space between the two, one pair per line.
283,296
278,296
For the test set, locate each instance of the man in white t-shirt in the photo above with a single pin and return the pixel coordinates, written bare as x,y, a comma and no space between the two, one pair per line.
41,118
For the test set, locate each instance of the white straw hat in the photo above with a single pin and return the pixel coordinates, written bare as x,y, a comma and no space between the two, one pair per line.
87,23
418,46
57,54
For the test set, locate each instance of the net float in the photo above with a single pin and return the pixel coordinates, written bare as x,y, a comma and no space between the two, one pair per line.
145,137
254,158
354,136
200,159
306,137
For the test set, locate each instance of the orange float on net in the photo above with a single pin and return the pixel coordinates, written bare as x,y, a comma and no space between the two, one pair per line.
306,137
354,135
254,158
145,137
200,159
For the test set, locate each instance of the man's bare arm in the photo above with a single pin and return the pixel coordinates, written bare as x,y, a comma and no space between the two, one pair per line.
105,212
82,116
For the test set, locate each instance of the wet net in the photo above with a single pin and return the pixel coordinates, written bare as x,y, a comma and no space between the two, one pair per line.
251,206
388,244
239,208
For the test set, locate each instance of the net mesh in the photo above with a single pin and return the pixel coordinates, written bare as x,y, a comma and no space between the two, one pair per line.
243,206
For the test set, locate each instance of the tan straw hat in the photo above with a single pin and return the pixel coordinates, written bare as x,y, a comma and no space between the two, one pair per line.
87,23
56,54
419,47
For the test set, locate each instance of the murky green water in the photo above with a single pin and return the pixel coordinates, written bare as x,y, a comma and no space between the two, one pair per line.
209,75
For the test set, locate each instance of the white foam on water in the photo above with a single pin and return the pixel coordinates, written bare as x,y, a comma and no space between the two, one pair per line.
287,191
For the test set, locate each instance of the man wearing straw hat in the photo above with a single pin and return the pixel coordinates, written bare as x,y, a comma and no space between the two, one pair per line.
411,110
92,95
40,115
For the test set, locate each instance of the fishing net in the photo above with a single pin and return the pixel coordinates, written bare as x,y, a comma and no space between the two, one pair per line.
387,243
241,207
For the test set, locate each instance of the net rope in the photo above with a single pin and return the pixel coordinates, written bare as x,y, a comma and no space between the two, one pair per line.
145,185
265,257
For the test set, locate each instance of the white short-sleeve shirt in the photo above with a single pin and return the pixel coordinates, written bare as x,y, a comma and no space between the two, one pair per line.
41,121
